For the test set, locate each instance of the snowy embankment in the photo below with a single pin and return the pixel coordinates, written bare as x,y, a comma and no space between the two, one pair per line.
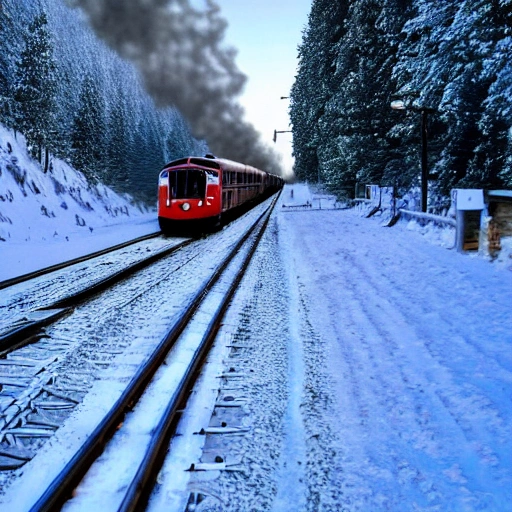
414,349
49,217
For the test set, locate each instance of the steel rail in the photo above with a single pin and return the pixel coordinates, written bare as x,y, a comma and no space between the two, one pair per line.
58,266
61,488
15,337
140,488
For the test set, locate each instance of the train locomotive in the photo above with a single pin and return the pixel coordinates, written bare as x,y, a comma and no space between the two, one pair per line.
204,192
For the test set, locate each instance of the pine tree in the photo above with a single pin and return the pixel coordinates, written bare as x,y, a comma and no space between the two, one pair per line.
88,131
491,165
146,154
118,142
444,63
14,17
35,88
6,24
106,124
451,57
313,86
467,44
355,145
348,116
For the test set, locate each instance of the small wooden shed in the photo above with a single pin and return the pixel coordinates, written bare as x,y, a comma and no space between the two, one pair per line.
499,204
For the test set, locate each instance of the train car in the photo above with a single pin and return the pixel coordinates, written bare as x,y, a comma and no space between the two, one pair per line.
203,192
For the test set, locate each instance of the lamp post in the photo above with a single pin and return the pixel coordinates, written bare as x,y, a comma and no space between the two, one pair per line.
280,131
424,111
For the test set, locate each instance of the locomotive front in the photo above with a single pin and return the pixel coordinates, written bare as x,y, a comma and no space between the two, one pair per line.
189,193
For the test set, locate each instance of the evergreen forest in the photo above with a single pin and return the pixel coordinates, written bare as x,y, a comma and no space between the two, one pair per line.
448,63
74,98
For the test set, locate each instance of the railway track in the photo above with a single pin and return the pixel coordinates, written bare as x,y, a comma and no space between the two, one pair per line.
173,364
22,319
53,268
31,407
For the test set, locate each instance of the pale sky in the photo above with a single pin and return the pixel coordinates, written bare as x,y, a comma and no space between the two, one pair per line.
267,34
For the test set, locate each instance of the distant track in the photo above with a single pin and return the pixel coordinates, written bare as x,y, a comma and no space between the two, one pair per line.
64,264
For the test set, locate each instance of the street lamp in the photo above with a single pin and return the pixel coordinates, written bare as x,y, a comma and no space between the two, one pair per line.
424,111
280,131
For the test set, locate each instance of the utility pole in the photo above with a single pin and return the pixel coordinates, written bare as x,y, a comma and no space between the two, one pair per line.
424,111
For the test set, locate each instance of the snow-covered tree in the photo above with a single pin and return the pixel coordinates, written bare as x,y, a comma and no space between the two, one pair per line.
100,118
491,165
14,18
6,28
340,100
450,57
35,87
313,86
468,42
444,63
365,60
88,131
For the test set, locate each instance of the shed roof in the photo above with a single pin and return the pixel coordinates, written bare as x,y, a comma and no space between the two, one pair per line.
496,195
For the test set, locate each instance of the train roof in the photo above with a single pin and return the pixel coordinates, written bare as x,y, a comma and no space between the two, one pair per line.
213,162
204,162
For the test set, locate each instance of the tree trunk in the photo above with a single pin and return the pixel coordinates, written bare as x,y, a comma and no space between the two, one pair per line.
46,159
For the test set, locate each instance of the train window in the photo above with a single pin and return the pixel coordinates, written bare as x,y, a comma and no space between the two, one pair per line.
163,178
212,177
240,178
187,184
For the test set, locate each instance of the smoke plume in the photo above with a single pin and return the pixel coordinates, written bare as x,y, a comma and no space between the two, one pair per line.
180,54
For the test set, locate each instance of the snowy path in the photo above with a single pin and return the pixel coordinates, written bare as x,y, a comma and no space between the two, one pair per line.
418,365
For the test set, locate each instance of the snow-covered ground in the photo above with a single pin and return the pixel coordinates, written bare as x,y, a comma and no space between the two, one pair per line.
414,364
47,218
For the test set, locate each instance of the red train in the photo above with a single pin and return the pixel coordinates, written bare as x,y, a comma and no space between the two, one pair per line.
200,192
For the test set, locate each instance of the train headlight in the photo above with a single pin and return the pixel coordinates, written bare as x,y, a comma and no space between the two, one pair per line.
185,207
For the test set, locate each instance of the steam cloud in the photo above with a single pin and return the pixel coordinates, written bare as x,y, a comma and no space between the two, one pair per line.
179,52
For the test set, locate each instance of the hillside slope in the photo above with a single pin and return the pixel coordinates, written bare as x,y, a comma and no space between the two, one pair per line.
59,204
